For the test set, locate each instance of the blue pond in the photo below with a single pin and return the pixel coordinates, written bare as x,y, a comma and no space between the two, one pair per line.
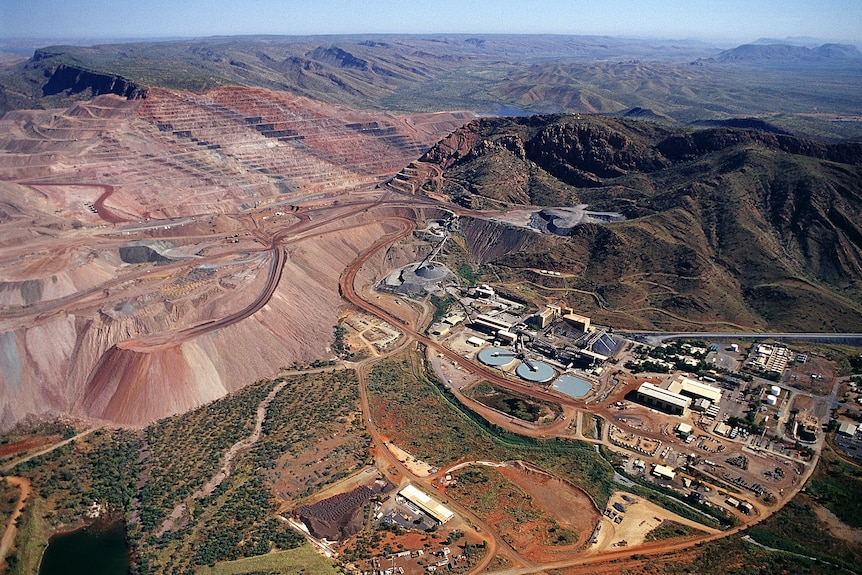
572,386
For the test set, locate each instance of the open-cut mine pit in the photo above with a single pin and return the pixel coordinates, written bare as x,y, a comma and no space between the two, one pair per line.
158,253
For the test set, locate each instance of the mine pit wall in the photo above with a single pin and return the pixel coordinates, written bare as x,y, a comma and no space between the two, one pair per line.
490,240
99,368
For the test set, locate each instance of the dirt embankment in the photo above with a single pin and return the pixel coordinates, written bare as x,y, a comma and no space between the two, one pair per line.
488,240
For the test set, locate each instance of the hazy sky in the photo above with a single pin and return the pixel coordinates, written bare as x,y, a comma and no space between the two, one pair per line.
728,20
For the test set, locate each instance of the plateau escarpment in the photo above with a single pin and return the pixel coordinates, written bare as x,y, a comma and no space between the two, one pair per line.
161,252
726,227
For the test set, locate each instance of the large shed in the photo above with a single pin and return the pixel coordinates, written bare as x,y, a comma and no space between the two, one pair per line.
654,396
428,504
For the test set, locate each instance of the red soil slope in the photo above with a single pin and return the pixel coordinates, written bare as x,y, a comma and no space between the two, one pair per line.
157,254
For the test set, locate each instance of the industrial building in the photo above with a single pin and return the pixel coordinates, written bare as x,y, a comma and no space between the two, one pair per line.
847,429
426,503
543,318
662,399
492,324
683,430
579,322
694,389
664,472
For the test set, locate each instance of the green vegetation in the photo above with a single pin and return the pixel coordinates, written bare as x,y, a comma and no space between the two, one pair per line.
441,306
238,519
339,344
668,529
186,450
9,495
796,528
734,556
312,442
296,425
837,485
101,467
304,559
424,418
515,404
673,353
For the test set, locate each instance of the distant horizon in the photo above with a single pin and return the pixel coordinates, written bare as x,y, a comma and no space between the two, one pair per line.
25,45
730,22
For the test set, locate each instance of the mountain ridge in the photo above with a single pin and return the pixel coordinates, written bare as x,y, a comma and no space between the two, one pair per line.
743,227
487,74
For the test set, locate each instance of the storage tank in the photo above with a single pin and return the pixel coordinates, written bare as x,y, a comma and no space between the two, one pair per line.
775,390
771,399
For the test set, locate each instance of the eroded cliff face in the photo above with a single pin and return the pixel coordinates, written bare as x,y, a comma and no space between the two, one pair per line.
75,80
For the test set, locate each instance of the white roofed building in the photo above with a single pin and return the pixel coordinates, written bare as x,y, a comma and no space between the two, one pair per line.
426,503
662,399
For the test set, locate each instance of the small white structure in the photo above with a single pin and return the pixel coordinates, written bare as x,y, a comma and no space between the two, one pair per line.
775,390
684,429
771,399
846,428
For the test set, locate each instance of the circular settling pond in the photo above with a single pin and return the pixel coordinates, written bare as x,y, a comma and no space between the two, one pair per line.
535,371
496,356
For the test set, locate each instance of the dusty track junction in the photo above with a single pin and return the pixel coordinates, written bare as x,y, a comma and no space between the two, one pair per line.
160,253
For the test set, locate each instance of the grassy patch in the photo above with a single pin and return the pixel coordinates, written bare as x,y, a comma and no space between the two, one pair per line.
837,485
300,560
796,528
515,404
668,529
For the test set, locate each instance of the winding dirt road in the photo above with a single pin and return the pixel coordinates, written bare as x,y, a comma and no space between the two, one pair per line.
23,484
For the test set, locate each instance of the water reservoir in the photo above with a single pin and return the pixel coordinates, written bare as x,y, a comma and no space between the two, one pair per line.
572,386
99,549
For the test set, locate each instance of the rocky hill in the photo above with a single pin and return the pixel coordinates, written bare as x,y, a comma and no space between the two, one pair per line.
789,53
725,226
